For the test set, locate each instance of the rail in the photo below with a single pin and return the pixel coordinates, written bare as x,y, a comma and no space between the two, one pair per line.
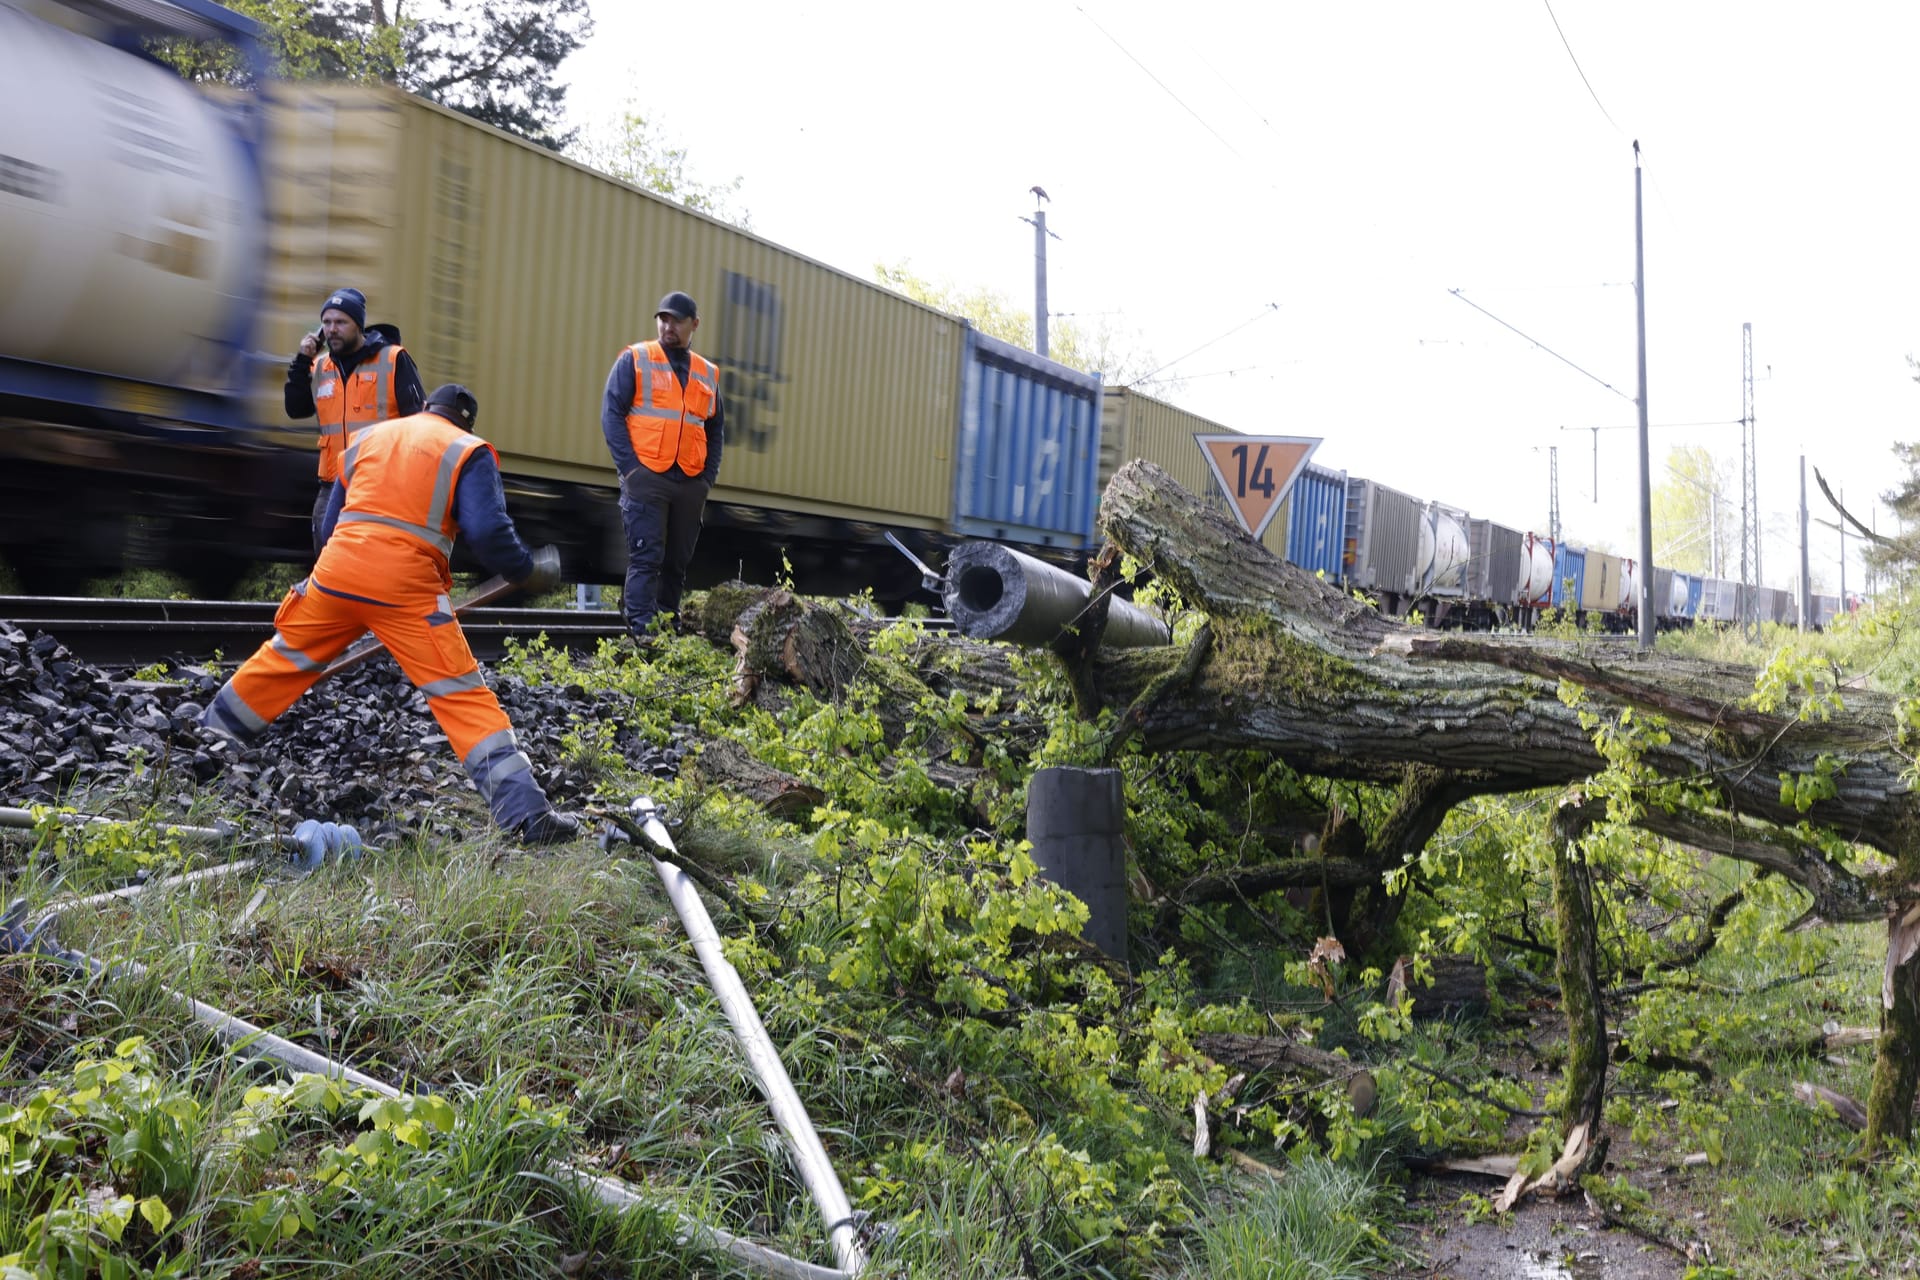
142,631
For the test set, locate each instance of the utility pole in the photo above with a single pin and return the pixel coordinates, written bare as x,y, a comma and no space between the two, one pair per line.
1645,580
1553,493
1806,588
1749,486
1040,236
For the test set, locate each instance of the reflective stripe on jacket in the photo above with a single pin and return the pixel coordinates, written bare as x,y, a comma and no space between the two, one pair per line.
668,424
397,526
366,397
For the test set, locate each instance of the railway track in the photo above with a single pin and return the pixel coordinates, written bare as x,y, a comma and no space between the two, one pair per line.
144,631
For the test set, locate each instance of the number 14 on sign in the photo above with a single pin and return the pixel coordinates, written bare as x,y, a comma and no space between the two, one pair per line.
1256,472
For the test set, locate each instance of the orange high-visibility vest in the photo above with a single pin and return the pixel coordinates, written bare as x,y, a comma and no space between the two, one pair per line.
668,425
397,527
365,397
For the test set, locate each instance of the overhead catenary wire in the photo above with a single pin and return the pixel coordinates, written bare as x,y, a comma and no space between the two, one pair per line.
1543,346
1218,136
1568,45
1265,311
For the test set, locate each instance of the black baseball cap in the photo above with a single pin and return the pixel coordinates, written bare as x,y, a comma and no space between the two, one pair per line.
454,403
679,304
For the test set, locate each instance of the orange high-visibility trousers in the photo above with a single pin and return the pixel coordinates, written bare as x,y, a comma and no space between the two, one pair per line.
314,626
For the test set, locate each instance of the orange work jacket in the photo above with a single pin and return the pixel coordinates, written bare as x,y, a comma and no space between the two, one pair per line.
397,526
668,424
366,397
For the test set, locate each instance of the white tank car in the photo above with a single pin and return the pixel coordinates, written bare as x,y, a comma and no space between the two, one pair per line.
1677,597
1444,551
131,228
1629,584
1536,571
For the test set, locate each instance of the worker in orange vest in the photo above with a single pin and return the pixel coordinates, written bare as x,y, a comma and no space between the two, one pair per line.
348,375
665,425
406,489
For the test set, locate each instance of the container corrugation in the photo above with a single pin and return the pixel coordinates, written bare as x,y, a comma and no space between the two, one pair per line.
524,275
1569,577
1317,523
1600,589
1780,606
1662,592
1383,536
1029,447
1493,574
1720,600
1133,425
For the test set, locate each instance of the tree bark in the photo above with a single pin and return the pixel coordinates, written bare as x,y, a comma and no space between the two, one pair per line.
1298,669
1579,965
1896,1062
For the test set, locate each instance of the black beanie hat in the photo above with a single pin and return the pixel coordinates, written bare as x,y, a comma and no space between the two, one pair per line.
351,301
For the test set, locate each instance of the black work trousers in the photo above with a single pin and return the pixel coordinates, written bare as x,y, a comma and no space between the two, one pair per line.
662,513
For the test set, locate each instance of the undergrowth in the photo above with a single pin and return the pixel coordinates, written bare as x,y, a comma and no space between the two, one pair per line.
997,1098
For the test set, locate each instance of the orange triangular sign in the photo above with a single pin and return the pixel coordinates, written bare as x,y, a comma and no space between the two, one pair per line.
1256,472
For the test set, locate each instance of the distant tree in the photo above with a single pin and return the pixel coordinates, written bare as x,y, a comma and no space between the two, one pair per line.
1899,552
1690,528
494,60
1117,356
637,152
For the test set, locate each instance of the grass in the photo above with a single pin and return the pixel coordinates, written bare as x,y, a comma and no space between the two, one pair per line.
485,977
548,1007
1318,1223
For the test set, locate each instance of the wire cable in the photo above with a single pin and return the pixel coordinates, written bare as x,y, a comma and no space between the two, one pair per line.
1162,83
1268,310
1568,45
1543,346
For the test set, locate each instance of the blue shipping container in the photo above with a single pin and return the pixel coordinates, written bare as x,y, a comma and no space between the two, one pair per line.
1029,447
1317,529
1569,566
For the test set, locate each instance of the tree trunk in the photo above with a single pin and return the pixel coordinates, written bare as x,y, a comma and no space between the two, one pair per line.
1300,670
1896,1063
1579,965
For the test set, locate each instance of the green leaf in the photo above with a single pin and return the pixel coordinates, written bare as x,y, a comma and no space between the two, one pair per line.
155,1211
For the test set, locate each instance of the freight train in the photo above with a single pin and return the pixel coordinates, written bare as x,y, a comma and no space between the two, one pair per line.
163,247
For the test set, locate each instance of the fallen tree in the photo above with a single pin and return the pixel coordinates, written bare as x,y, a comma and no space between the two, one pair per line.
1290,666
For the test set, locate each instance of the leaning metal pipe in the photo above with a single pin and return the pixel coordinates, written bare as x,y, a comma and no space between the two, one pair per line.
612,1192
816,1170
996,593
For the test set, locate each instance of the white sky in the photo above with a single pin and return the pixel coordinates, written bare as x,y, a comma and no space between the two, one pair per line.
1352,163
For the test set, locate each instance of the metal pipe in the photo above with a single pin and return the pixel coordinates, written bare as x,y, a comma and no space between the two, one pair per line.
23,819
308,843
612,1192
816,1169
996,593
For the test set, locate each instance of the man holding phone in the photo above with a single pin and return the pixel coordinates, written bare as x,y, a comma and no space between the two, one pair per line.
349,376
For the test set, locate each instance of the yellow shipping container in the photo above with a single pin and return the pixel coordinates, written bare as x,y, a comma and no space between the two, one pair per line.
1600,585
1133,425
523,274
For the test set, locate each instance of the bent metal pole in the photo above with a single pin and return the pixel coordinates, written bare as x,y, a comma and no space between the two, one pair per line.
816,1169
996,593
246,1037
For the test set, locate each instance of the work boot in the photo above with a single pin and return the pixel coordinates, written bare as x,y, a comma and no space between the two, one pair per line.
549,826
